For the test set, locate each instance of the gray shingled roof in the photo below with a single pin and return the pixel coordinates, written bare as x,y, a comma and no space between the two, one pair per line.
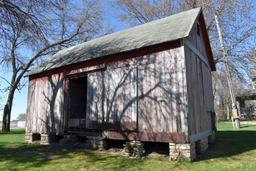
163,30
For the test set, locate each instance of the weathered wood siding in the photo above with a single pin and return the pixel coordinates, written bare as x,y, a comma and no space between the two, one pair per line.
111,95
149,91
45,105
162,92
165,96
200,95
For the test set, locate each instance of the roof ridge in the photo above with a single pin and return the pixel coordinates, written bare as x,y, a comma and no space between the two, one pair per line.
173,27
135,27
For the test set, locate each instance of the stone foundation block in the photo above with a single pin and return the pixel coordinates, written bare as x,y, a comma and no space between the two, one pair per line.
96,144
28,138
182,151
45,139
36,138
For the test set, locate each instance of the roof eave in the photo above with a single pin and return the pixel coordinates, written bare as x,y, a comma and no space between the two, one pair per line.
207,42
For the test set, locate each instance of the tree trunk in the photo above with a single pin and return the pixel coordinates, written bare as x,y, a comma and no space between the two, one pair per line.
7,110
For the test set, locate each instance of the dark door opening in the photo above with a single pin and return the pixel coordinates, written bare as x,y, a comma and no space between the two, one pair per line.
77,103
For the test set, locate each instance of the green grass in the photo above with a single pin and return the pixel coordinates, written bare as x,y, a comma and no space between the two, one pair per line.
233,150
13,138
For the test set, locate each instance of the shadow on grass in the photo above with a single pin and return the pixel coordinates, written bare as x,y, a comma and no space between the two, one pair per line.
17,155
34,156
230,143
24,157
26,154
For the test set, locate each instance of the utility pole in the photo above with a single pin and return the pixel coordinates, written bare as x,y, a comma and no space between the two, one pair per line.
235,114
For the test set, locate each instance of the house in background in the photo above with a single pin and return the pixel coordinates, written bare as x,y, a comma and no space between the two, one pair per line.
247,100
17,123
150,83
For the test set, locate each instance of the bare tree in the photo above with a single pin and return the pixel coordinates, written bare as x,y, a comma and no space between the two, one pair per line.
238,30
1,98
135,12
22,117
236,19
32,30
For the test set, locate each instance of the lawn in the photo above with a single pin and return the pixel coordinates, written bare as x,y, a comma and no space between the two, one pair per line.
233,150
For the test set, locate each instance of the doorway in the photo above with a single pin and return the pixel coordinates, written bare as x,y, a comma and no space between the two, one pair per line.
77,103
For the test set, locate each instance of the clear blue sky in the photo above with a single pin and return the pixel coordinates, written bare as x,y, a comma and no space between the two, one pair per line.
20,98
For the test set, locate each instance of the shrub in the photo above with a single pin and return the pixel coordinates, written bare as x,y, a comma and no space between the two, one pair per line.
134,148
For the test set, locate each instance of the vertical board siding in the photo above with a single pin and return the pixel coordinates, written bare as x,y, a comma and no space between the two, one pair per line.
95,97
150,90
152,87
164,92
162,101
45,105
197,40
30,105
199,85
112,95
121,95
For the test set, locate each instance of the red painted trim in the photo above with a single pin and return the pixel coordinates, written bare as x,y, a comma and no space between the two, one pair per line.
117,125
111,58
206,40
66,102
86,70
174,137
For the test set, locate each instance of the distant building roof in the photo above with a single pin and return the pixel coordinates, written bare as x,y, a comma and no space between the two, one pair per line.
247,94
168,29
